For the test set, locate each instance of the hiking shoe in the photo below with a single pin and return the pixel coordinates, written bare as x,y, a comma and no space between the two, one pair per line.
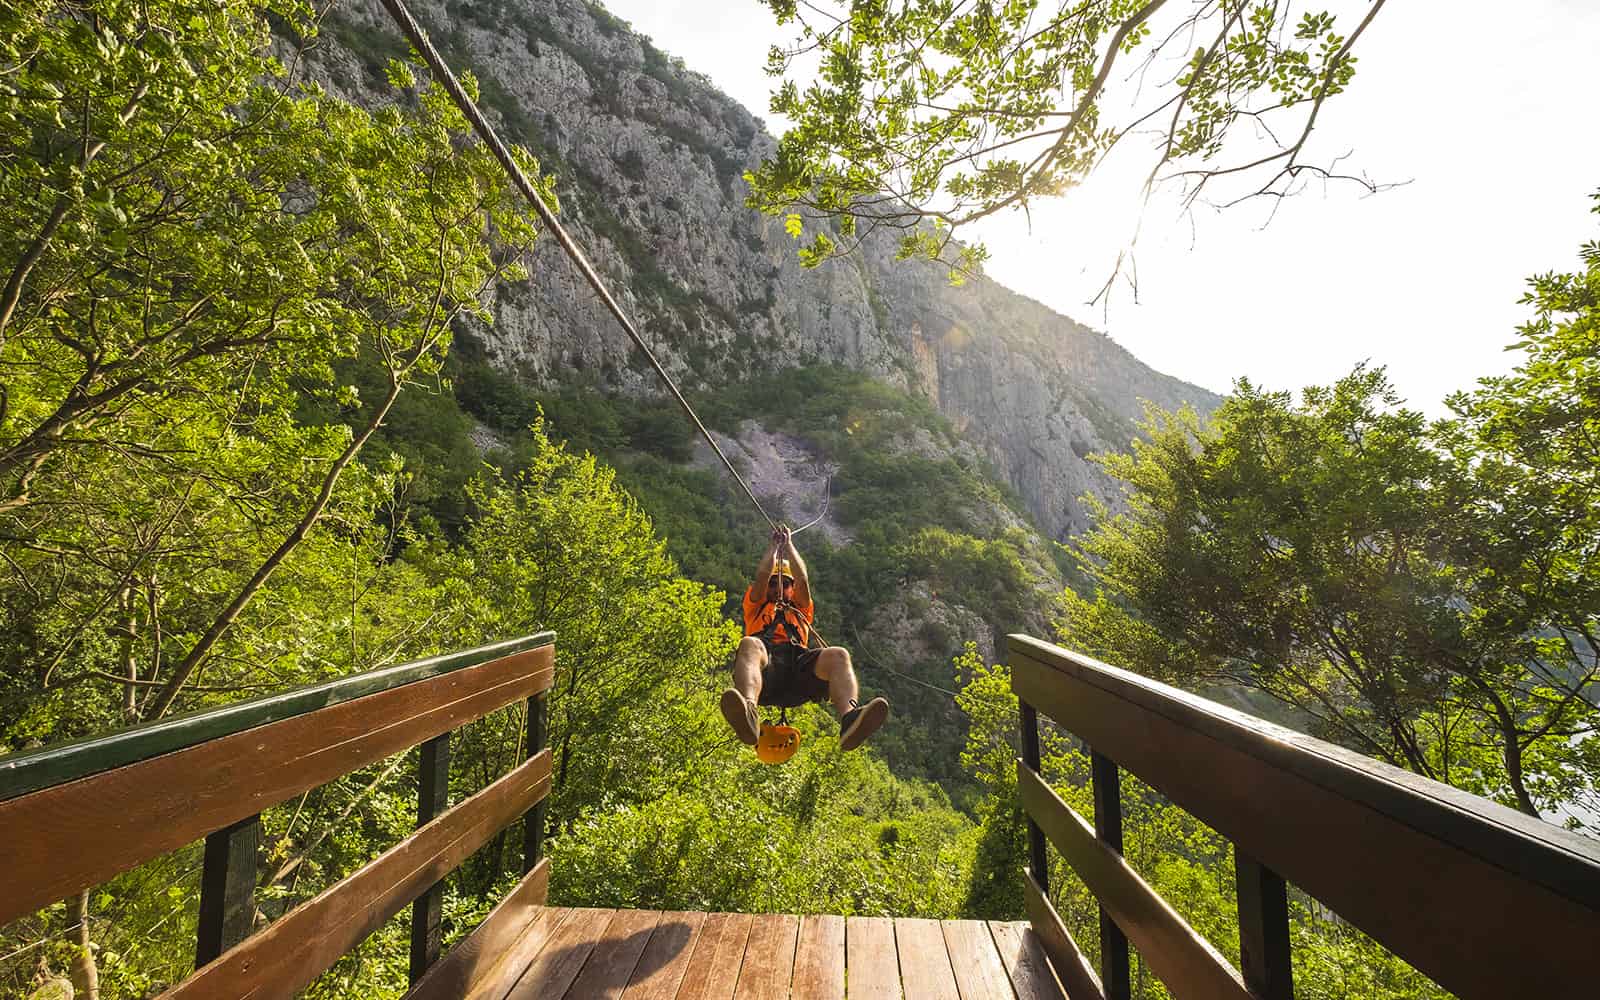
741,715
860,722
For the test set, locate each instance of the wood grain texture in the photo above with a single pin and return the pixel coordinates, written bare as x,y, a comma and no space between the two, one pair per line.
714,968
1376,845
1185,962
1072,967
427,910
980,975
1559,859
925,972
474,957
497,982
872,968
31,770
606,974
227,889
768,957
63,839
660,969
1265,957
819,960
560,960
1025,961
306,941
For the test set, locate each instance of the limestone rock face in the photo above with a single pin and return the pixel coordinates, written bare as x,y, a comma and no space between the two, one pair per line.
648,158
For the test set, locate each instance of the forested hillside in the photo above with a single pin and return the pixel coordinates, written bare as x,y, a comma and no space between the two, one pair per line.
293,388
239,456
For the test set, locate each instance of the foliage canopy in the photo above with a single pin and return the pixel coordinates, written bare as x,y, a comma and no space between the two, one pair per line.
924,116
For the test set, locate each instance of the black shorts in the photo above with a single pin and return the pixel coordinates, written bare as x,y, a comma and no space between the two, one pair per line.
790,677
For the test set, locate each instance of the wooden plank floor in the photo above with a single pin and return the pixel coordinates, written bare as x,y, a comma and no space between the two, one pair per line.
591,954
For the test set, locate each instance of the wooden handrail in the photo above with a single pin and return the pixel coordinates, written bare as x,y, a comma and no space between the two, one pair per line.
299,946
1486,901
475,957
1185,961
31,770
67,837
1070,965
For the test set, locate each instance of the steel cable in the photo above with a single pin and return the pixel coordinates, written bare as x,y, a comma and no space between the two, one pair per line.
441,72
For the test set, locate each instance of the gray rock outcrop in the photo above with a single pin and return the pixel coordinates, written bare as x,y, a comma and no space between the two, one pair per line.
648,157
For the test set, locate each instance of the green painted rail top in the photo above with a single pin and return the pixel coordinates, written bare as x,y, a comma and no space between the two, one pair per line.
32,770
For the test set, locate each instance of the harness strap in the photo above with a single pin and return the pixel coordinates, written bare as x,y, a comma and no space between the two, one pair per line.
791,631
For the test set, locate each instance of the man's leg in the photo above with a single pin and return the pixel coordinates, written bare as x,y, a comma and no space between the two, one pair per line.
834,666
856,723
748,661
739,702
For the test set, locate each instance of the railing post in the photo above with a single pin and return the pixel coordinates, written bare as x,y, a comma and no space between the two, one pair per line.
1108,829
1030,757
1263,929
227,889
433,798
533,823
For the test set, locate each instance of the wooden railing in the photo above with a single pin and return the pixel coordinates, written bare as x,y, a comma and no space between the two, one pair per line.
75,815
1486,901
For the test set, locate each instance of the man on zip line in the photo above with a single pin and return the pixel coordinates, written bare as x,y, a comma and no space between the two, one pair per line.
774,664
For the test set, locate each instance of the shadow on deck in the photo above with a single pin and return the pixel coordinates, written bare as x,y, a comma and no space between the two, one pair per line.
649,955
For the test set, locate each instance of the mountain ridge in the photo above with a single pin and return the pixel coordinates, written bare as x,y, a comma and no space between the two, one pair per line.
648,157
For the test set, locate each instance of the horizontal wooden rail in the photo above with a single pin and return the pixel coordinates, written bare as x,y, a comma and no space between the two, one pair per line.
475,957
1486,901
305,942
1185,962
58,840
1072,968
32,770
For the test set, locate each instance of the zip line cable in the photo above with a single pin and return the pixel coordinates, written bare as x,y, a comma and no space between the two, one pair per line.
441,72
878,666
827,489
812,630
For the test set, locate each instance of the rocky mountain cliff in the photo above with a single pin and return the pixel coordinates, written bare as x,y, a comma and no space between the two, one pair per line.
648,157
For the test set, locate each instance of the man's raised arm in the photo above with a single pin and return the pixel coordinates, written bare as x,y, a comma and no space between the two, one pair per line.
802,583
764,571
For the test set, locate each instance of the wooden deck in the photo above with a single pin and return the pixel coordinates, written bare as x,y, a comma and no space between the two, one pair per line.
585,954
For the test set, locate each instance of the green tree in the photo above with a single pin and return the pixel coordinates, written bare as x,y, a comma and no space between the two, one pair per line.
1532,441
928,115
994,888
193,236
562,547
196,245
1314,552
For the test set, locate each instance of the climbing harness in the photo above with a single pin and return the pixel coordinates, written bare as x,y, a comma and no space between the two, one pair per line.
792,628
777,743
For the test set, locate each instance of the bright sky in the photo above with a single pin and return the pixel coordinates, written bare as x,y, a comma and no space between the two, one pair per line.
1486,110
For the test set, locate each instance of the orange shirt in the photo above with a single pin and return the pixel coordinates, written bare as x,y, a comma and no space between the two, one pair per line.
758,613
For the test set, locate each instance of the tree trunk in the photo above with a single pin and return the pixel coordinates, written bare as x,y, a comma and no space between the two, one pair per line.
1511,752
130,663
84,973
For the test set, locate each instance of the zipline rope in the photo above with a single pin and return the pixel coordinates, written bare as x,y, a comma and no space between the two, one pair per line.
827,489
878,666
441,72
812,630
